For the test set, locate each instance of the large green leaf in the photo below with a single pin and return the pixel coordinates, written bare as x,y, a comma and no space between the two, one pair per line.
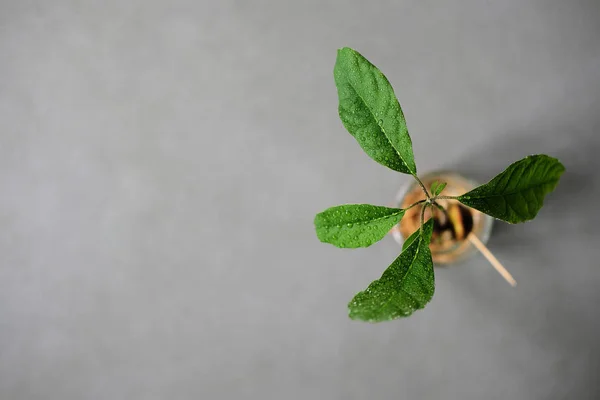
410,239
407,285
356,225
371,113
517,194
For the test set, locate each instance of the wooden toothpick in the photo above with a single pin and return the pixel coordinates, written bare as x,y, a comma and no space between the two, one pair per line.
493,260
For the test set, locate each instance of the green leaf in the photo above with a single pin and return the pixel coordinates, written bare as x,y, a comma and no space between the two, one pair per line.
437,187
433,186
356,225
410,239
407,285
517,194
371,113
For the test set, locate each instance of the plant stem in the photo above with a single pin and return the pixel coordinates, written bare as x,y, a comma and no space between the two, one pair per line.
445,198
439,206
423,216
422,186
415,204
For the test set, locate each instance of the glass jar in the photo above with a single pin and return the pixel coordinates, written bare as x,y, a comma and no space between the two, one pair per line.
450,240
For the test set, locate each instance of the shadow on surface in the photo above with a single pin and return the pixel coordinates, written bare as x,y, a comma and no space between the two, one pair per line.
559,268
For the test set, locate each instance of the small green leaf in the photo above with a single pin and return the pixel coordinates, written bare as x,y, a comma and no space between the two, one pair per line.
407,285
356,225
371,113
433,186
517,194
437,187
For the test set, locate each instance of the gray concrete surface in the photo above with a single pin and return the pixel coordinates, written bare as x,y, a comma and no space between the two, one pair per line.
161,163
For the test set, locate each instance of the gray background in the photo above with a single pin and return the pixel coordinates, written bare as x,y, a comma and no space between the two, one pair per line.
161,163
